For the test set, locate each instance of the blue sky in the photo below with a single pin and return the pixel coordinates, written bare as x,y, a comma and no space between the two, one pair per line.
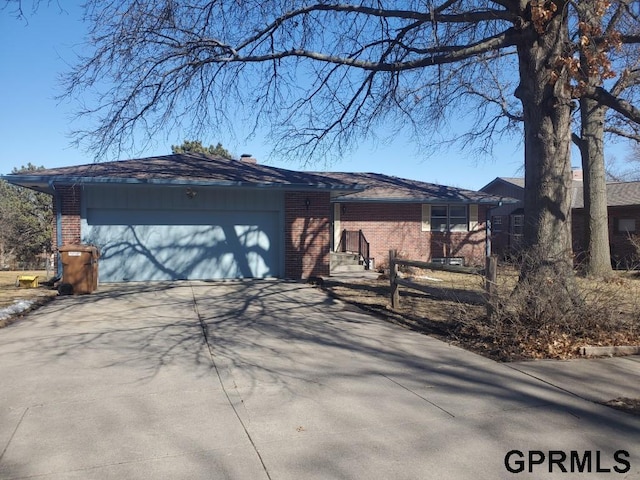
35,127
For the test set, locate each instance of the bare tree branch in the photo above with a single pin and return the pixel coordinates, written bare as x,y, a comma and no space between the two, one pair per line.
635,136
449,55
618,104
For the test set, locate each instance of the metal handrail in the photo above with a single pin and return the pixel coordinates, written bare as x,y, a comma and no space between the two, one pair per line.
355,242
363,249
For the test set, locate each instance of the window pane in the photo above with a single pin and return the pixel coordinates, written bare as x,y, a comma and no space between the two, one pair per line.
458,218
517,224
627,225
438,224
438,218
457,211
439,211
459,225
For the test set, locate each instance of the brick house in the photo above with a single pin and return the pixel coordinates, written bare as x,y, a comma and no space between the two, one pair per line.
623,208
422,221
191,216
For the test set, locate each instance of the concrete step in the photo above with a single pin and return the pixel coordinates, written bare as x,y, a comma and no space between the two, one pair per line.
347,268
337,259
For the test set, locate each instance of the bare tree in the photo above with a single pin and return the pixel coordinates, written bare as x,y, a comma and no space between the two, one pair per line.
324,75
630,173
21,9
601,28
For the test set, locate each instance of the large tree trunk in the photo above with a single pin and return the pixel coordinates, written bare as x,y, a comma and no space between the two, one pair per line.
546,102
592,118
598,261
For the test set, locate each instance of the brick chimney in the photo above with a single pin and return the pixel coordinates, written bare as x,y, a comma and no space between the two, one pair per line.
576,174
248,158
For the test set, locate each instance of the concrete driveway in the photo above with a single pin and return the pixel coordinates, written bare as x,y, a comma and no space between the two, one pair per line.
276,380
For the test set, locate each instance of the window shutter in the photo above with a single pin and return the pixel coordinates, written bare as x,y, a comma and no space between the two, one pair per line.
473,217
426,218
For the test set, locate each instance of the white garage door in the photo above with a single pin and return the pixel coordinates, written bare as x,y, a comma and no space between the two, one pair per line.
175,244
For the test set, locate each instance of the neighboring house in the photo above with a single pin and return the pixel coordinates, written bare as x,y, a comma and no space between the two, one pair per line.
507,220
623,209
190,216
623,201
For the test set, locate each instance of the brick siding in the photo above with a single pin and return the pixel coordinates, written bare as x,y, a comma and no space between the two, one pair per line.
398,226
307,234
308,231
69,197
623,252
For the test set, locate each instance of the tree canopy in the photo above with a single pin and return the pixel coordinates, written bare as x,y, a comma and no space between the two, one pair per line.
322,76
26,217
195,146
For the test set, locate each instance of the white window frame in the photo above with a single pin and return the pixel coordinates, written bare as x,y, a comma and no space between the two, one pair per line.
428,224
461,222
442,220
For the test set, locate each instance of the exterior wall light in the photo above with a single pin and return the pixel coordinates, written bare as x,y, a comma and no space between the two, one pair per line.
191,193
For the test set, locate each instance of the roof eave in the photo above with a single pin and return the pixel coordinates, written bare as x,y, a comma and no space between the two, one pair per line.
466,201
47,183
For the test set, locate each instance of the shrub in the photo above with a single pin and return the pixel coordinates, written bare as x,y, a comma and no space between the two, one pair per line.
537,320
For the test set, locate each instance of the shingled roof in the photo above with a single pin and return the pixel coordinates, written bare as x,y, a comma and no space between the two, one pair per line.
376,187
619,194
200,169
177,169
517,181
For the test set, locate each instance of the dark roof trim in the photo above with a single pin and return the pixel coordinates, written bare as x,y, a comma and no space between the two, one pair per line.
44,183
430,200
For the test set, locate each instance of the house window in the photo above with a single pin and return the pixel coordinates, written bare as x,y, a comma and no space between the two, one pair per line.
517,225
496,223
458,218
626,225
439,218
449,218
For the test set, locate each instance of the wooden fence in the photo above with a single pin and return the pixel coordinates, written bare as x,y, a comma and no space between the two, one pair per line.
489,273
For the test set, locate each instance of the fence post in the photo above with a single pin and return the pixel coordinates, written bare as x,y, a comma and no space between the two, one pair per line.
393,275
490,281
491,274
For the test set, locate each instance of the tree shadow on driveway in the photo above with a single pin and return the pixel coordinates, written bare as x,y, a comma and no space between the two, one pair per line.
297,366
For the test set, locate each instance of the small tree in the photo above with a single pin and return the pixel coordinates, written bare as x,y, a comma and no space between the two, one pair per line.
195,146
26,217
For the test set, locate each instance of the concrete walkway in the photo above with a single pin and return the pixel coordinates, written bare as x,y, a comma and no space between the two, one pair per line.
276,380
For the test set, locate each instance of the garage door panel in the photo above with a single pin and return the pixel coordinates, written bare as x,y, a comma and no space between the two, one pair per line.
153,245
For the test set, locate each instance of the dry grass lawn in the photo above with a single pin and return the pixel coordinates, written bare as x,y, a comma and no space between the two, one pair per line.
454,309
9,293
